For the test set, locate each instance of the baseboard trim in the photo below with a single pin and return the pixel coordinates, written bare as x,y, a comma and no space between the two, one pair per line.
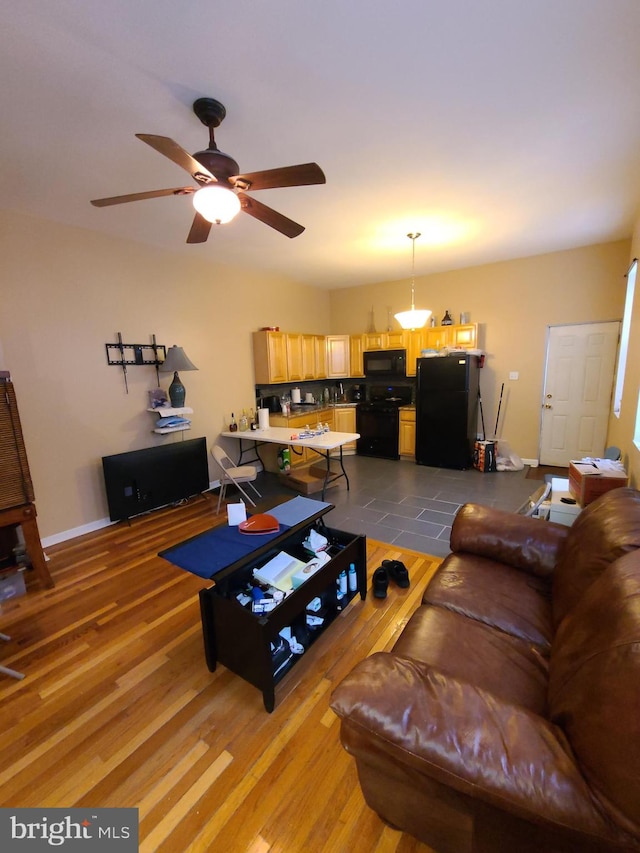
91,527
532,462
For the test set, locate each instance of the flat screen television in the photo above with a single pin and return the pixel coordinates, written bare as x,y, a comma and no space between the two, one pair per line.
142,480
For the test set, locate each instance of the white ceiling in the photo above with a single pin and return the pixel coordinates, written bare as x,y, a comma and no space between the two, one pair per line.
498,129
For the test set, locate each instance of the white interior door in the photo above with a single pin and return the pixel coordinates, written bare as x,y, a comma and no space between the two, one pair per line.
578,384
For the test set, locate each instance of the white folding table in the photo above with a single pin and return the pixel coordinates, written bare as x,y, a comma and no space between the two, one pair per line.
322,444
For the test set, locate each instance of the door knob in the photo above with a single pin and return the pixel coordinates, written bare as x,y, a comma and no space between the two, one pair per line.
549,396
547,406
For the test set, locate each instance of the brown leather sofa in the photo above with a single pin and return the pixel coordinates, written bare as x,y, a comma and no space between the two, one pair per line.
507,716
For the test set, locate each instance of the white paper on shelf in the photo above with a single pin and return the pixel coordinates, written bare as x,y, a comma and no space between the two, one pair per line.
278,571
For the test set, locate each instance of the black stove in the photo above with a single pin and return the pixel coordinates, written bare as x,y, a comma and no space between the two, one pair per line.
377,420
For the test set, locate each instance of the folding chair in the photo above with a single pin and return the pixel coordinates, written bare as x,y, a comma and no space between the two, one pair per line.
234,474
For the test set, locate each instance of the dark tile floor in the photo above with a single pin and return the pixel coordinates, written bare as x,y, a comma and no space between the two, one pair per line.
410,505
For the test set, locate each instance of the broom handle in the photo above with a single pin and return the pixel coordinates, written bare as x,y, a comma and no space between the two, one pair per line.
495,432
484,435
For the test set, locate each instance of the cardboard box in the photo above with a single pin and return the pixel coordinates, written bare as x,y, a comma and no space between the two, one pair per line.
303,481
589,480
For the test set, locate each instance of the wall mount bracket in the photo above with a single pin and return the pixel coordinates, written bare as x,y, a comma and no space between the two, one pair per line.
122,354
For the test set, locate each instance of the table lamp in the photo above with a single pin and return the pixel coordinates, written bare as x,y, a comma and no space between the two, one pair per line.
176,360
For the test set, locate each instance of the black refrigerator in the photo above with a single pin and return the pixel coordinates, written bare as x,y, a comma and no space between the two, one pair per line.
446,410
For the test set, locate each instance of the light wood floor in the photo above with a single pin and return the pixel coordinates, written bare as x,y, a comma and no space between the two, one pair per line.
118,707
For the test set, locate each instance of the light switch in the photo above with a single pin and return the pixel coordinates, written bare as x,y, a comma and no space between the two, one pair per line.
514,375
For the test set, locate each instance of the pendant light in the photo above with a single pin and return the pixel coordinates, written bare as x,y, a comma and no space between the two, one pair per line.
416,317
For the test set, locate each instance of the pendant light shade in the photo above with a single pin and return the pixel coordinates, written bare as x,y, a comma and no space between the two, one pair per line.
415,318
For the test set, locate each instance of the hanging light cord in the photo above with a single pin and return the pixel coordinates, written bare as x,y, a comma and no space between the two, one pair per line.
413,237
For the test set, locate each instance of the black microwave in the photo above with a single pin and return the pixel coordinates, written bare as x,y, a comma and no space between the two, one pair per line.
385,363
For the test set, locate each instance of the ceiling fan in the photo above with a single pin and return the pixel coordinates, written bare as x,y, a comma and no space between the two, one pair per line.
221,190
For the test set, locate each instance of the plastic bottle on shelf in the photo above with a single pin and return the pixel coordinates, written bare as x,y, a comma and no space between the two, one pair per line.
244,422
352,578
233,426
253,421
342,582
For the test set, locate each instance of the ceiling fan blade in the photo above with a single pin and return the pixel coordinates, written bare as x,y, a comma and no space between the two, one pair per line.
200,228
287,176
171,149
122,199
269,216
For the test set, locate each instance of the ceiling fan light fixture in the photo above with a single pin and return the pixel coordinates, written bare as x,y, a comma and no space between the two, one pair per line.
415,318
216,204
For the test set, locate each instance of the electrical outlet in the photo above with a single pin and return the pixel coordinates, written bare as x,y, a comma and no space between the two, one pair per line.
514,375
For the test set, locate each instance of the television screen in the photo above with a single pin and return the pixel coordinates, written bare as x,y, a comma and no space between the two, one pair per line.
142,480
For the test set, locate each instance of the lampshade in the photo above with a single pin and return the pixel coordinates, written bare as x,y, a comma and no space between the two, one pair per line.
415,318
176,360
217,204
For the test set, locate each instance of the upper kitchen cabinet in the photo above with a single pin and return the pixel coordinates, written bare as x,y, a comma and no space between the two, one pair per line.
355,355
396,340
338,357
270,357
288,357
465,336
295,357
384,340
374,340
320,347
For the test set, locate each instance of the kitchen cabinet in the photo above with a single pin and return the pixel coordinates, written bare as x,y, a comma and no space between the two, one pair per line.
338,357
320,356
436,337
407,436
414,349
308,356
345,421
355,355
295,358
463,336
384,340
396,340
374,340
270,357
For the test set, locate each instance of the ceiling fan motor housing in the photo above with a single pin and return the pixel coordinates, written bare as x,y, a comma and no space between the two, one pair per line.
218,163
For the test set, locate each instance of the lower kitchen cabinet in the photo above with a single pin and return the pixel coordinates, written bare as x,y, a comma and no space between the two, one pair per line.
345,421
407,437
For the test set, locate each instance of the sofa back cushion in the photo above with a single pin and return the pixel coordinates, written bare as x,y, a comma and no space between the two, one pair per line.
594,688
605,530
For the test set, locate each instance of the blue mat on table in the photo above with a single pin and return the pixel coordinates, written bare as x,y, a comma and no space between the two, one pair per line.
208,553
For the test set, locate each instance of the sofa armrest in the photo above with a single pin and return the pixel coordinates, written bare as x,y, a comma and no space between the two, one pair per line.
399,711
529,544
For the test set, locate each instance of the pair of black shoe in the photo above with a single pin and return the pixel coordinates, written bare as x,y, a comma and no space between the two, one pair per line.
389,570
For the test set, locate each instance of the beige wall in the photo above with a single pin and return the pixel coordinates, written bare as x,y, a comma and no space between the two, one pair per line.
621,429
66,292
513,302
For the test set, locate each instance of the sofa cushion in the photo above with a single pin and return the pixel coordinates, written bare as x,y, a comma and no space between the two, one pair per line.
594,688
491,660
513,539
605,530
498,595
